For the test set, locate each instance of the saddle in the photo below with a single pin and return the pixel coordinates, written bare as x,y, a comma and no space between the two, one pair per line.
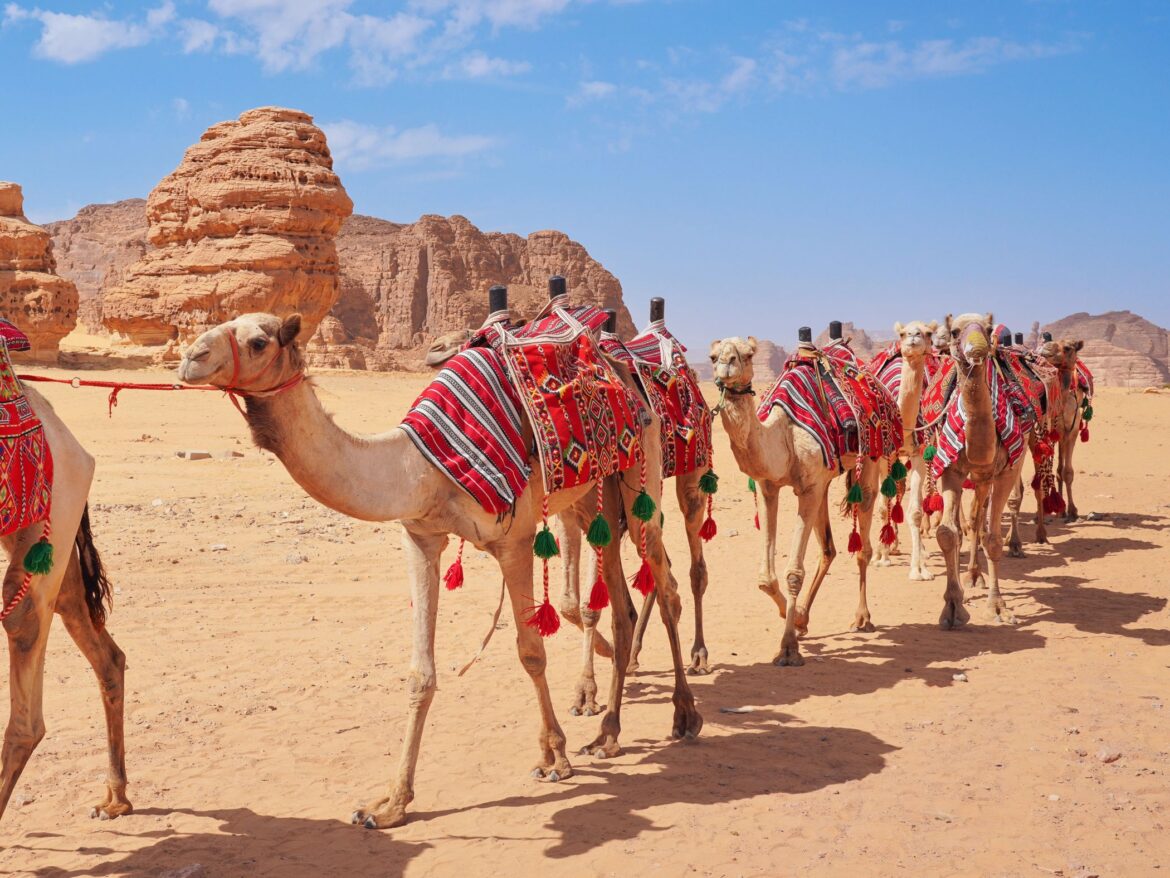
26,463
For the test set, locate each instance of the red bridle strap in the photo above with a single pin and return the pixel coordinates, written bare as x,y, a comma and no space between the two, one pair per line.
235,392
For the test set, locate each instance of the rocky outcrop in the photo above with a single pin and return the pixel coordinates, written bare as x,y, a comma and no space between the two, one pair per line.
403,285
859,340
1121,348
767,363
245,223
95,248
32,295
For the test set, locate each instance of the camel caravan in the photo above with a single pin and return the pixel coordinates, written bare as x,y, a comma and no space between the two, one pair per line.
552,437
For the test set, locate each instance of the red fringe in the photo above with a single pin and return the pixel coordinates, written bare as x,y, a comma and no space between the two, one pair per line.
888,537
1053,435
599,596
968,485
854,542
1054,503
1042,450
544,619
932,504
1036,482
897,516
1084,434
453,578
757,521
708,530
644,578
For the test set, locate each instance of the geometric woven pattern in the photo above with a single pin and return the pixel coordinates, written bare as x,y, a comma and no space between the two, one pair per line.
26,464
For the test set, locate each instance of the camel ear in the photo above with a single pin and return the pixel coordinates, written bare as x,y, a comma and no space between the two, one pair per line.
932,327
949,324
989,324
290,328
1078,344
715,347
899,329
752,345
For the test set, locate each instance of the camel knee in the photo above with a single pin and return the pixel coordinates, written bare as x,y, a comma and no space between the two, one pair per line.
795,579
534,664
421,687
948,537
699,577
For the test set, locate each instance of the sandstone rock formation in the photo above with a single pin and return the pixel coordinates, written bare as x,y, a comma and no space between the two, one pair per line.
32,296
245,223
766,364
1121,348
861,342
95,248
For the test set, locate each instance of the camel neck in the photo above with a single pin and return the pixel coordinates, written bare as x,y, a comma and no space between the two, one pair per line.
376,478
910,397
751,444
980,427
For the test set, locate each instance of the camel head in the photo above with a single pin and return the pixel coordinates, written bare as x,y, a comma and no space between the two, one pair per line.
268,354
1062,353
971,337
445,347
731,361
916,338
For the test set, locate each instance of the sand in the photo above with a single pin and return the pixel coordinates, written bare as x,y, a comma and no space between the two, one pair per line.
268,642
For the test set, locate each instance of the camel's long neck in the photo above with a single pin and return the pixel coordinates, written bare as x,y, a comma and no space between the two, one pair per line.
910,396
981,432
760,451
381,478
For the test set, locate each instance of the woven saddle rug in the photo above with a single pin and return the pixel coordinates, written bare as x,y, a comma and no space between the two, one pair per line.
887,366
26,464
1038,379
1085,379
942,406
843,407
673,390
587,423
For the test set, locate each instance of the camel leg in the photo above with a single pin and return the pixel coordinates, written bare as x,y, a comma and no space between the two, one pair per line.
807,505
640,629
109,665
577,611
918,569
422,561
978,524
1014,502
767,581
606,745
869,493
954,613
883,551
693,504
1067,473
823,532
1001,488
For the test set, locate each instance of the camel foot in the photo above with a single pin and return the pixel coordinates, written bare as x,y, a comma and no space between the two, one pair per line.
1000,614
863,624
632,667
975,581
883,562
113,806
585,699
921,575
603,747
954,615
788,657
698,666
801,621
561,771
688,722
1041,536
381,815
1071,516
1015,550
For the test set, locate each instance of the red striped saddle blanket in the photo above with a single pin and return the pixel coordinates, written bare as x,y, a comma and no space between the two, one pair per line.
673,391
843,407
1085,379
26,463
1038,379
942,407
887,366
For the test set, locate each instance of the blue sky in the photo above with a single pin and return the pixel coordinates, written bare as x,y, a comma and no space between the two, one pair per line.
761,164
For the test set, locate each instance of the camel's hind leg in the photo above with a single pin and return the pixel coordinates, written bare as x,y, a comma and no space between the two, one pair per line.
1067,473
1000,490
109,665
823,532
883,551
978,524
693,504
422,559
1014,502
570,523
954,613
643,620
918,569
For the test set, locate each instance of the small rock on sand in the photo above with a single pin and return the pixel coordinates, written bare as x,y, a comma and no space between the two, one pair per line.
959,677
1108,755
193,455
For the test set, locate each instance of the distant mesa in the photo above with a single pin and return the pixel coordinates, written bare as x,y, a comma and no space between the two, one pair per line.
32,295
1121,348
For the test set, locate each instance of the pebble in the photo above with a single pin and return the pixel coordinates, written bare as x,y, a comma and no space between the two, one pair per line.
1108,755
219,547
960,677
157,501
24,797
193,455
1054,798
295,558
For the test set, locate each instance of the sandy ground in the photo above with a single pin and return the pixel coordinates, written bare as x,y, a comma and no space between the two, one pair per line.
268,647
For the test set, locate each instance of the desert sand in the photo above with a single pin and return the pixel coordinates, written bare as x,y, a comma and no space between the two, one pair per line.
268,641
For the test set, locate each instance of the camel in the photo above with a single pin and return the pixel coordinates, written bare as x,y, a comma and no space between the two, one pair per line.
916,343
256,356
75,588
1064,354
777,453
983,460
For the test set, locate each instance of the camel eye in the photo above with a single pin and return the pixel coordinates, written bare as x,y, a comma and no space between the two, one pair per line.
258,344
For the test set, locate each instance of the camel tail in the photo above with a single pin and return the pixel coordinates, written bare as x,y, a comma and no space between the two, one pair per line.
850,478
98,594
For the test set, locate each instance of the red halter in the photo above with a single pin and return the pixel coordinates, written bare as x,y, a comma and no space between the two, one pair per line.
235,392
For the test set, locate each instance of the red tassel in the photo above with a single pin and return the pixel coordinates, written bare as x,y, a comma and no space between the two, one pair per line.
1042,450
644,579
599,596
1084,434
897,516
544,619
932,504
453,578
888,537
854,542
708,530
1053,435
757,521
1036,482
1054,503
968,485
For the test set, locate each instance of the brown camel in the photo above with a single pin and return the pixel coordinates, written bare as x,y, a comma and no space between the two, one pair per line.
777,454
983,460
1064,354
257,356
76,588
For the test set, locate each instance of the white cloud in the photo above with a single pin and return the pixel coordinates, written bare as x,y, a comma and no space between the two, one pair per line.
182,107
72,39
197,36
477,65
361,146
592,90
465,15
741,76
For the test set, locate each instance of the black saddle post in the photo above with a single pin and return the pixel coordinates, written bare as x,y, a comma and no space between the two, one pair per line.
610,321
1046,336
556,286
804,335
1005,338
1020,339
835,330
497,299
657,309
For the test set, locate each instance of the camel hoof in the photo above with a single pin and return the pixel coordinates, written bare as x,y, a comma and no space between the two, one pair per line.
370,822
954,616
357,817
883,562
699,670
788,660
592,711
554,776
574,710
537,773
922,575
865,627
1015,551
632,667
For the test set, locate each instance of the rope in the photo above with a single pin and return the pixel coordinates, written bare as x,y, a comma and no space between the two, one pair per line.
46,532
115,387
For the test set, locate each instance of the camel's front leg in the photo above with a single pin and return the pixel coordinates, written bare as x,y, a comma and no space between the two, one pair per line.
978,524
1001,488
640,629
823,531
576,610
869,492
1014,502
954,613
767,581
423,552
918,568
807,504
109,665
1067,472
693,504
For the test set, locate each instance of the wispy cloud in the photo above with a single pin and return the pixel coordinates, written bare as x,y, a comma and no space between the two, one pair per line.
360,146
478,65
72,39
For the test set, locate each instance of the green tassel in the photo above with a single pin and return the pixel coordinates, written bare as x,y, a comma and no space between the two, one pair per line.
929,453
661,518
889,487
854,495
644,507
898,471
751,484
545,544
599,535
1087,413
39,559
709,482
